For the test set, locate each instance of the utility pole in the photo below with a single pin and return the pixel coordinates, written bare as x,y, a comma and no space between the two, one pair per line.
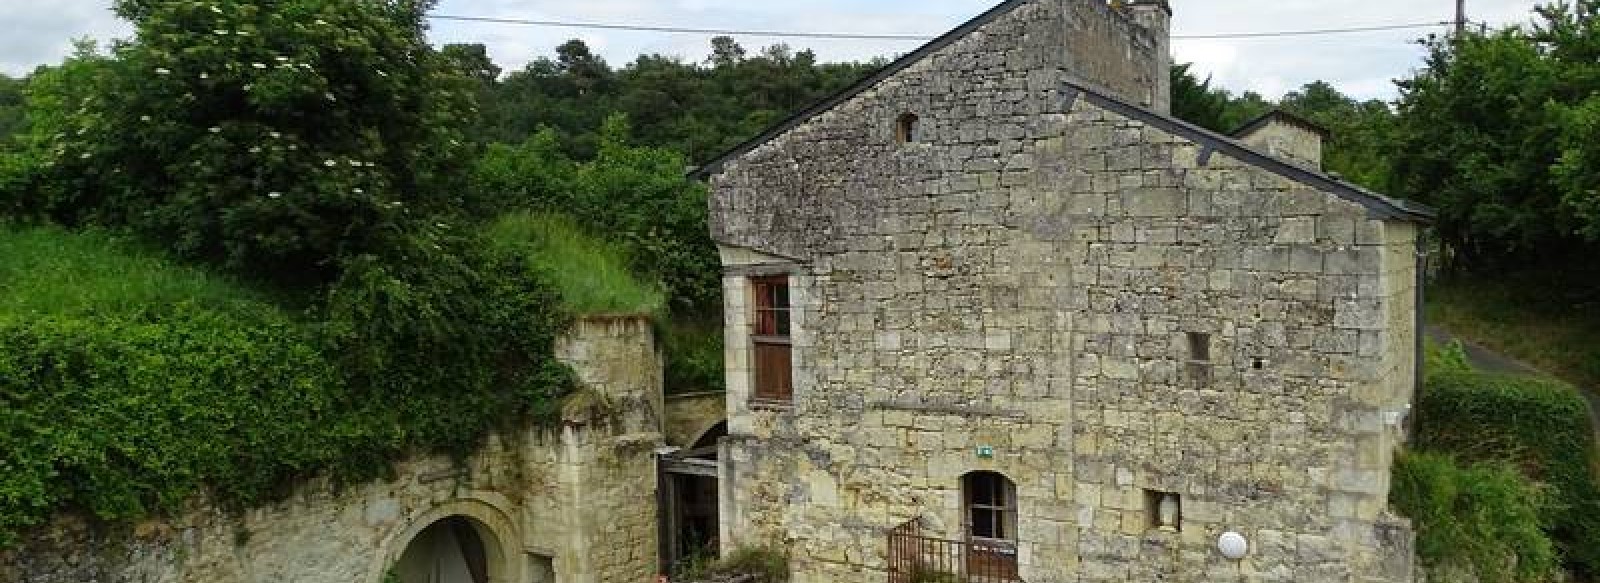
1461,17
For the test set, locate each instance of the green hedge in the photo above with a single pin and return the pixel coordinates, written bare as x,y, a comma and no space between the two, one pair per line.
1539,426
1483,518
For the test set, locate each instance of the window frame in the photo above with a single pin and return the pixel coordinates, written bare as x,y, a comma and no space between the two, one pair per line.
906,128
1198,366
771,335
1003,515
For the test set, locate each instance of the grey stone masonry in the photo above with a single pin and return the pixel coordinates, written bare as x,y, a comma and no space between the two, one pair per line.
1020,291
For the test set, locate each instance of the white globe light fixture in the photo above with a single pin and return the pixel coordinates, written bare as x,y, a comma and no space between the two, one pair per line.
1233,545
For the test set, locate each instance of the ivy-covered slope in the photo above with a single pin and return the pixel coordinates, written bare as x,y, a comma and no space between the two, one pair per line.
129,382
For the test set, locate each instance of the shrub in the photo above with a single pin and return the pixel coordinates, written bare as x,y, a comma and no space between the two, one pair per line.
274,137
1450,358
1538,426
1483,519
694,354
638,197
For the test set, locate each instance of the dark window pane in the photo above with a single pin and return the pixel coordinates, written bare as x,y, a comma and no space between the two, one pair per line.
780,295
982,488
983,523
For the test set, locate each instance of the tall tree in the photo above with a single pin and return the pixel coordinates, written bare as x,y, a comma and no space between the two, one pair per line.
12,112
471,60
272,144
1476,138
1360,131
1213,108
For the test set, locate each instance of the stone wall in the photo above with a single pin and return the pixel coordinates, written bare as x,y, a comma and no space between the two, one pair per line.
1287,141
1025,280
578,499
691,415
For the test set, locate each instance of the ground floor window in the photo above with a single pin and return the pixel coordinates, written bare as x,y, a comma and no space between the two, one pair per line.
991,506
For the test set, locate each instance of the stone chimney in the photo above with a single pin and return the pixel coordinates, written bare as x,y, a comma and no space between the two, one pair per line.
1156,16
1286,136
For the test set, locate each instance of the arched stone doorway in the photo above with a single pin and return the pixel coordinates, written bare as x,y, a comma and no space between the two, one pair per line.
447,551
462,541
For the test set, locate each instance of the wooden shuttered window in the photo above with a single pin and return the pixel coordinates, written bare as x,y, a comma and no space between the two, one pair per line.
774,370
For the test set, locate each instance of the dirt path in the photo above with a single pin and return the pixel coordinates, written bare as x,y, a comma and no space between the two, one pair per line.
1488,360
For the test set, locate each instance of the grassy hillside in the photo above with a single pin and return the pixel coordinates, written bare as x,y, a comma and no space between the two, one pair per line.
1532,321
590,273
50,272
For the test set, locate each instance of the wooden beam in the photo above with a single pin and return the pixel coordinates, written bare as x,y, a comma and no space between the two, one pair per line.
690,467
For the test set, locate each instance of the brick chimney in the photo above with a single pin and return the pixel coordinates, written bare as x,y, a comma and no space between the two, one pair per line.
1156,16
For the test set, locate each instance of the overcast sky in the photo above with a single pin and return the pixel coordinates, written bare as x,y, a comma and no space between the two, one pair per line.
39,32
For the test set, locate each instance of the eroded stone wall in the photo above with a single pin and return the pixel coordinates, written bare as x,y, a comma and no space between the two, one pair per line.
1025,279
1289,142
578,499
691,416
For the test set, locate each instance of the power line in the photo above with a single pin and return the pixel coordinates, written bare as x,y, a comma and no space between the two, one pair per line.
1325,31
646,28
887,37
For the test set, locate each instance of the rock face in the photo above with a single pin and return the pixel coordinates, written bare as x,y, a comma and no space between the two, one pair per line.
1057,284
574,503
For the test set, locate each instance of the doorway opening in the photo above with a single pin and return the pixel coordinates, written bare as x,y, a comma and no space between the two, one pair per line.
452,550
690,524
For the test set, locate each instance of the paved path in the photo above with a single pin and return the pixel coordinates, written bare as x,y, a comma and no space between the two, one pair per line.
1487,360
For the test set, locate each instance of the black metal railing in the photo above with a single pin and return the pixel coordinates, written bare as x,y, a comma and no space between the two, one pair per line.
918,558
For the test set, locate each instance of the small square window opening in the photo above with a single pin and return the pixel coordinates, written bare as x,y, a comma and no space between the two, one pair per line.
905,129
1163,510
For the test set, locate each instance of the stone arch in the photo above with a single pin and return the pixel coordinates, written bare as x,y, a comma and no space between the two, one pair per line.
491,523
709,436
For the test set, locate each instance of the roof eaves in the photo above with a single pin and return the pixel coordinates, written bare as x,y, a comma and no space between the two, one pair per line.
1377,205
865,83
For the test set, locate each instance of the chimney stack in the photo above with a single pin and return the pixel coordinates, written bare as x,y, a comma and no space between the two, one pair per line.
1156,16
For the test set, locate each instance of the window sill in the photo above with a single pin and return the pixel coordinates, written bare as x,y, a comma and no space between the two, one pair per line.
771,405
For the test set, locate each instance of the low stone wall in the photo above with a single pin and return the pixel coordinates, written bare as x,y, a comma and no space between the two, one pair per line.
570,504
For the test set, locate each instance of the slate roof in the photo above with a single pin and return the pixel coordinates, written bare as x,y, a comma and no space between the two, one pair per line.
1378,205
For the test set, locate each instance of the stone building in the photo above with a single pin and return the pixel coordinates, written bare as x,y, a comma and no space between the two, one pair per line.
993,310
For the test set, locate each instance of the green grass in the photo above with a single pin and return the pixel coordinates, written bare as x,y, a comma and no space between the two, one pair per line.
47,271
1524,319
590,273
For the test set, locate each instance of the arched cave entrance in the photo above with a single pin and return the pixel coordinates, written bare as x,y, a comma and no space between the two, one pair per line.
453,550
